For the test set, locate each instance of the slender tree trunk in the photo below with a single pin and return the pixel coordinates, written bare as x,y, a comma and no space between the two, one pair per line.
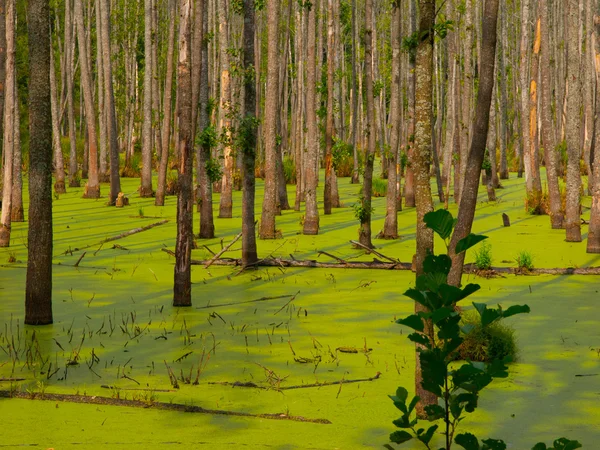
466,211
269,209
574,102
504,174
103,129
92,188
593,242
226,201
9,123
182,289
422,163
109,103
38,286
548,124
409,183
146,173
249,128
355,120
327,196
166,126
311,218
59,169
364,233
17,213
390,227
74,180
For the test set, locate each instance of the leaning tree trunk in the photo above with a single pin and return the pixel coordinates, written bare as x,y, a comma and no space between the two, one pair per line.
466,211
548,124
269,209
9,124
146,172
422,162
182,289
248,131
38,287
593,243
109,103
390,227
92,188
311,218
166,126
365,211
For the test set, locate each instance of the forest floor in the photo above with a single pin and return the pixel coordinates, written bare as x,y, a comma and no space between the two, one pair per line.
116,335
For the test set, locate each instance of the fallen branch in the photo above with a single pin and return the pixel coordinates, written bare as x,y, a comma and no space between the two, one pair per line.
106,386
218,255
98,400
11,379
290,301
299,386
375,252
79,260
262,299
321,252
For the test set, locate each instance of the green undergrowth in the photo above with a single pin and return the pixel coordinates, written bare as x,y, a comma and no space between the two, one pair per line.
115,327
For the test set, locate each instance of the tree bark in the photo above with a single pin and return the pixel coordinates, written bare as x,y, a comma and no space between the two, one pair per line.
59,164
593,242
269,210
355,170
74,180
146,173
466,211
38,288
226,200
182,289
329,125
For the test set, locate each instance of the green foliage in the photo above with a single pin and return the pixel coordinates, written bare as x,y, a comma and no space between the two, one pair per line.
362,210
289,170
213,170
245,135
486,344
343,158
208,138
458,388
483,257
524,260
379,187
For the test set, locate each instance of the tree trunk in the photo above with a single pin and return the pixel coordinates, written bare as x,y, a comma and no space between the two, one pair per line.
103,129
574,102
146,173
409,180
182,289
390,227
466,211
548,124
269,209
92,188
166,125
59,164
74,180
364,233
355,170
17,213
226,201
311,218
329,126
593,242
248,130
38,288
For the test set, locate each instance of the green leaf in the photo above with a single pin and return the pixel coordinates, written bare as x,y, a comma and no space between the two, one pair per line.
413,321
493,444
440,314
434,412
440,221
434,370
419,338
566,444
399,437
431,281
489,316
468,242
480,307
467,328
465,400
437,264
426,438
467,441
516,309
452,294
418,297
413,403
539,446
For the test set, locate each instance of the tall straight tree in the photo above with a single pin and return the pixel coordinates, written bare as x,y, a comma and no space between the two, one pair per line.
9,123
92,188
146,173
422,159
38,289
355,121
466,210
574,102
364,233
59,165
269,210
226,200
311,218
593,242
329,126
68,62
248,139
182,289
390,227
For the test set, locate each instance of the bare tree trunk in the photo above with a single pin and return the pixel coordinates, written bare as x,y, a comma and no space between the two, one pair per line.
92,188
74,180
146,173
182,289
574,102
409,180
311,218
548,124
226,201
269,209
504,174
355,120
166,126
17,213
9,124
329,126
109,103
103,129
249,128
38,286
59,169
466,211
390,227
364,233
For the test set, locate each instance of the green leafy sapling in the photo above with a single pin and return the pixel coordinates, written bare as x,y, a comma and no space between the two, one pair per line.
457,388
